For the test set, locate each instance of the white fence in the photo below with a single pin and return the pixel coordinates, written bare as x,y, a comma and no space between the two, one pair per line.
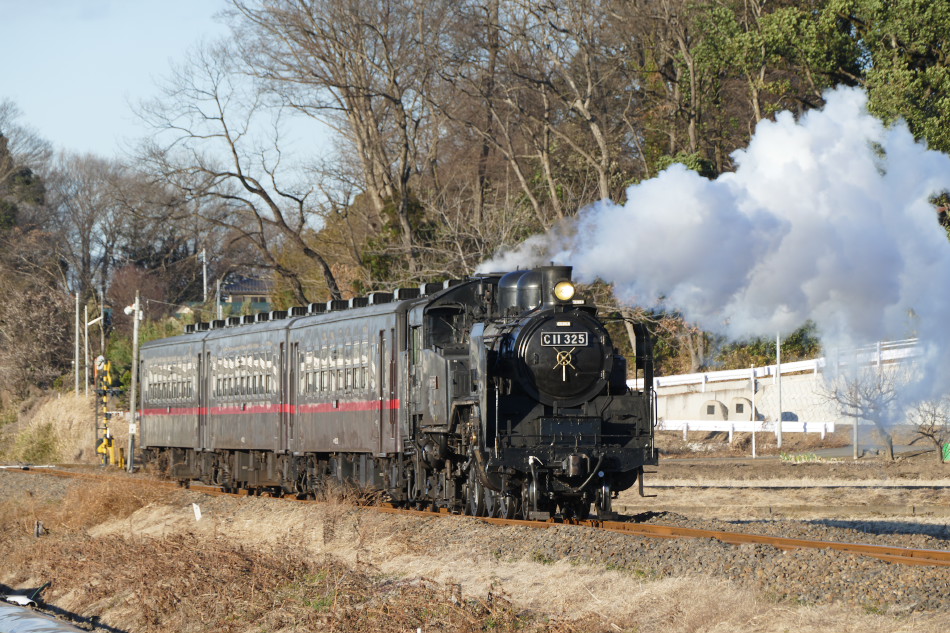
744,426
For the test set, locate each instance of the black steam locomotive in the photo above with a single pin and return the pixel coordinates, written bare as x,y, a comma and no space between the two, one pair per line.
498,395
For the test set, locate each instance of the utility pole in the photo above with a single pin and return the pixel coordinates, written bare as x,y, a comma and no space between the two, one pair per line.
133,418
753,411
88,323
778,372
76,351
204,274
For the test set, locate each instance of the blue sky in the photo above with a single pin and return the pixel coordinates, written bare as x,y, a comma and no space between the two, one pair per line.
74,66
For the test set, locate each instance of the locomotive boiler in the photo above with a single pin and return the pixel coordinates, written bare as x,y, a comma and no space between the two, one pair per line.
497,395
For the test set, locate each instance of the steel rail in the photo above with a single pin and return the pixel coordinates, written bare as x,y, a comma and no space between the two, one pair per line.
889,553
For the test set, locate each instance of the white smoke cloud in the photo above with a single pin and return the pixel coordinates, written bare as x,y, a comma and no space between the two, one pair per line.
826,218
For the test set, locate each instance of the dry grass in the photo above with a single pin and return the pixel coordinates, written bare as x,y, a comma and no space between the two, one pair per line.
83,506
57,429
191,583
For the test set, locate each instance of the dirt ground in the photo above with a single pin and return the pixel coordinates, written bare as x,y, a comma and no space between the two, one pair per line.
807,478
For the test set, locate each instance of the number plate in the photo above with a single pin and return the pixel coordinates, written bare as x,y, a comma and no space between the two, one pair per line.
564,339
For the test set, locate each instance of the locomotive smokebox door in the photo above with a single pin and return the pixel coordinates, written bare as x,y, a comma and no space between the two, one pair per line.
562,359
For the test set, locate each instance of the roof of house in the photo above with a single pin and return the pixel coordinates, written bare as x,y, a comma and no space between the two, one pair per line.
247,286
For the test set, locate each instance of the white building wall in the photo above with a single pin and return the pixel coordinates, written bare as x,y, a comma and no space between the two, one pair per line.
684,400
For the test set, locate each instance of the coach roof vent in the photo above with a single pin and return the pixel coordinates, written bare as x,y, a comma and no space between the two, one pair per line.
298,311
202,326
278,314
217,324
429,288
189,328
359,302
376,298
249,318
317,308
261,316
337,304
234,320
405,293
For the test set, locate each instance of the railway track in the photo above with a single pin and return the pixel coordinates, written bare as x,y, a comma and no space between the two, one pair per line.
899,555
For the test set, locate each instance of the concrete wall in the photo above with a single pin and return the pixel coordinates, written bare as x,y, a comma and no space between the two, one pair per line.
802,400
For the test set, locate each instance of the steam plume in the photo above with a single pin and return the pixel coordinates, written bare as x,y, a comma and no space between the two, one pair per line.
827,218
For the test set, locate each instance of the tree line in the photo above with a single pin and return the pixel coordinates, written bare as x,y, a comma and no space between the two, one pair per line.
455,128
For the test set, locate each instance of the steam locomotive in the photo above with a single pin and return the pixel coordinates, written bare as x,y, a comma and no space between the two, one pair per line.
497,395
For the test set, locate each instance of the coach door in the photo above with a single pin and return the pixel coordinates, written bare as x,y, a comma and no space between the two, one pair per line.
288,396
386,392
381,389
204,388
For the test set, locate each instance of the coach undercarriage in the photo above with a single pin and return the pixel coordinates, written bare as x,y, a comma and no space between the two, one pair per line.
476,484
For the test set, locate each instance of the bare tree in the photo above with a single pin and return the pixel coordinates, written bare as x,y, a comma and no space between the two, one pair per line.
869,393
80,193
931,420
35,317
21,147
208,148
360,65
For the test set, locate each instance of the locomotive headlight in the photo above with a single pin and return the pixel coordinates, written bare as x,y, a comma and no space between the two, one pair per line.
564,291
